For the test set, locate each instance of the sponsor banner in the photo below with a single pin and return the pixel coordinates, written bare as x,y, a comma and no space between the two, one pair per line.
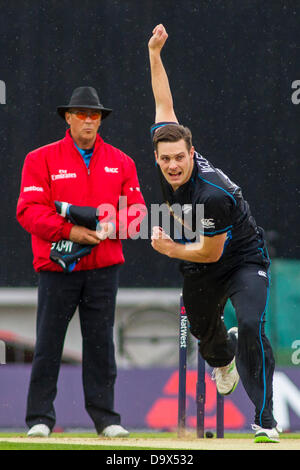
147,399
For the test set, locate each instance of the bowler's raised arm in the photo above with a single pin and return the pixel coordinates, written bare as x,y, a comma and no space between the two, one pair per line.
164,110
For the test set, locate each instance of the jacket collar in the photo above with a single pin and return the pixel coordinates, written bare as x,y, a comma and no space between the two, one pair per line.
68,139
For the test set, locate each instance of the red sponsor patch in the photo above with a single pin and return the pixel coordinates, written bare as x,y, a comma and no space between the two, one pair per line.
164,412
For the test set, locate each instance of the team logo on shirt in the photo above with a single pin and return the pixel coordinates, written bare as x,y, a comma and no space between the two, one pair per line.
208,223
262,273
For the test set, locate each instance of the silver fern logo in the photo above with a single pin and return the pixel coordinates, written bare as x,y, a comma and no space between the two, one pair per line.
2,92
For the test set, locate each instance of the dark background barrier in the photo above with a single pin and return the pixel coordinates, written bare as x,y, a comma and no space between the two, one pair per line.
231,66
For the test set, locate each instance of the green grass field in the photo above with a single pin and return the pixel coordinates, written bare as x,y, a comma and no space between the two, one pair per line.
168,437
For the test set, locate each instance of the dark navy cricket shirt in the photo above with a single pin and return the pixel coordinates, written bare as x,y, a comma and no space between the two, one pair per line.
225,211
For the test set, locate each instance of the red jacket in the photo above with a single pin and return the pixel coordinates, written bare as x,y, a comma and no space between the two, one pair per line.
57,172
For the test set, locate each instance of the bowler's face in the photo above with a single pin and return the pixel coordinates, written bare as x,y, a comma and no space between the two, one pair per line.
83,131
175,161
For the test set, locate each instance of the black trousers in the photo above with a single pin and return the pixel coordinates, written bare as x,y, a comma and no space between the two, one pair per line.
94,293
205,295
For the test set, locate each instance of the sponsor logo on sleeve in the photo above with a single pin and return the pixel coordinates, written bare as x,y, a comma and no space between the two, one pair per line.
33,188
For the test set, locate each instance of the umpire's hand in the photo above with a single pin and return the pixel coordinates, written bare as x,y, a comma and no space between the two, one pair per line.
83,235
105,230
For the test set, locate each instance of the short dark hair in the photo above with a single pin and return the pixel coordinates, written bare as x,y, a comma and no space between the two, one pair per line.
172,133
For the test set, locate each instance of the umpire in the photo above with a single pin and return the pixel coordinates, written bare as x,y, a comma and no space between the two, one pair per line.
80,169
223,256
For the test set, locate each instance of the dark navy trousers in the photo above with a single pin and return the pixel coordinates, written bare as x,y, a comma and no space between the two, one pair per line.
205,295
94,293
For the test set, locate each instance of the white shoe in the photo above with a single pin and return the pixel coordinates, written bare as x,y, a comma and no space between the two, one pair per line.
226,378
115,430
265,435
39,430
